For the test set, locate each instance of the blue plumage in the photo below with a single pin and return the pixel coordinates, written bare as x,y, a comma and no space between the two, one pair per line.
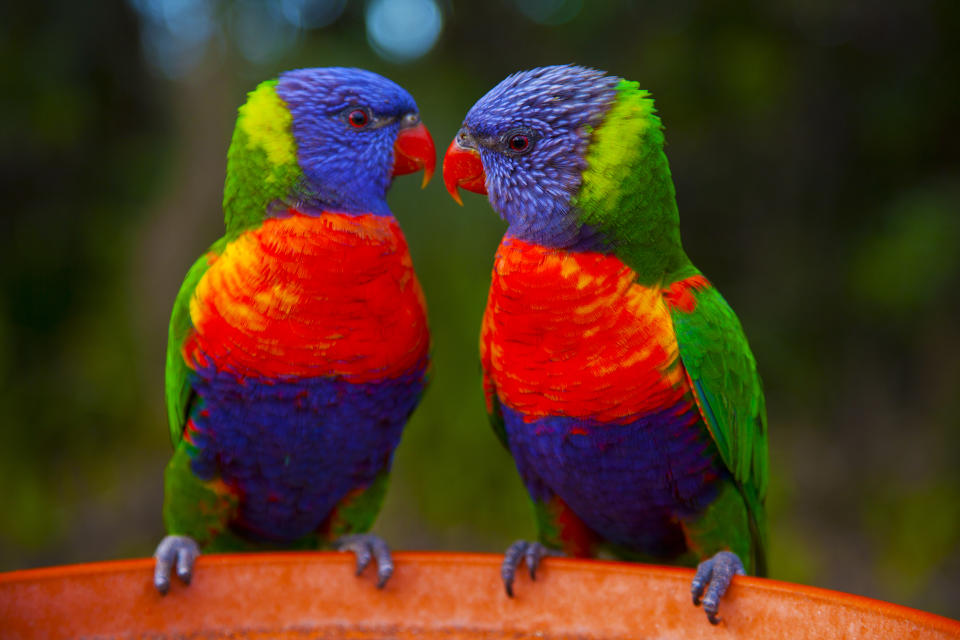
293,449
621,492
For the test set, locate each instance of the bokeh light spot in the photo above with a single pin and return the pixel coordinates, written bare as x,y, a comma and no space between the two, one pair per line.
175,32
403,30
260,31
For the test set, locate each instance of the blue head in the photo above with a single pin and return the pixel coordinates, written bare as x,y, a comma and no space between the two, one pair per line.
345,124
532,131
324,139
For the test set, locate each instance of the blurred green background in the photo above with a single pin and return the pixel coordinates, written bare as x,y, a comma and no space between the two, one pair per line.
814,148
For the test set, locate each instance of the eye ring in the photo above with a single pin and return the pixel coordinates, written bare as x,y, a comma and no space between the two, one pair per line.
517,142
358,118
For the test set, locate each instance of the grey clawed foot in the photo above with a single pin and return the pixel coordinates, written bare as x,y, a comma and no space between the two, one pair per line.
712,579
369,547
522,551
179,551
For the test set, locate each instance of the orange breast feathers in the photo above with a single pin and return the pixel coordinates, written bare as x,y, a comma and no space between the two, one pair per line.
309,296
572,334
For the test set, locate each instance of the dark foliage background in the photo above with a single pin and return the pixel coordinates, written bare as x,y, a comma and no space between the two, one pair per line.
814,148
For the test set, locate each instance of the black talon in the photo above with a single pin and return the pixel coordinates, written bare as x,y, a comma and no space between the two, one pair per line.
174,551
369,547
511,560
520,551
535,553
711,581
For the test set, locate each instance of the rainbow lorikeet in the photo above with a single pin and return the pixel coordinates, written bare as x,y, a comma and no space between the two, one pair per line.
615,373
298,344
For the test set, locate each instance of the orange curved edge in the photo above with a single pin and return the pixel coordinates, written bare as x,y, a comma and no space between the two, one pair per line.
432,595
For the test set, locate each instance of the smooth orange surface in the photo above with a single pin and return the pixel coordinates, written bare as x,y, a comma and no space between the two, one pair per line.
431,595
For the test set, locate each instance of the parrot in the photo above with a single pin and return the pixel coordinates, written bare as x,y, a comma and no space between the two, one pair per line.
614,372
298,343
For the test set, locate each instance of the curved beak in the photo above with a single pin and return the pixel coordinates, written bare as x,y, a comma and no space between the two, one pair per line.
462,168
413,151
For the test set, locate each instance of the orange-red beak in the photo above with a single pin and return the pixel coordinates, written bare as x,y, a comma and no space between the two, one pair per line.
413,151
462,168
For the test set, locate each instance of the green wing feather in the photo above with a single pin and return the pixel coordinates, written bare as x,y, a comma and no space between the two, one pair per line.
179,391
494,412
723,374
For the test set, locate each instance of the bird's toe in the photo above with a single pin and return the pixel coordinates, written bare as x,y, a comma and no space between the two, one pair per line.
174,553
711,581
368,547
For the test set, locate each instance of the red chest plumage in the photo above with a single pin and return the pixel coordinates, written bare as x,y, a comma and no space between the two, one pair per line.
572,334
311,296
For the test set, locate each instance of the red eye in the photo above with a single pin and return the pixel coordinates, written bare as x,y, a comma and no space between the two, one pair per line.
358,118
519,142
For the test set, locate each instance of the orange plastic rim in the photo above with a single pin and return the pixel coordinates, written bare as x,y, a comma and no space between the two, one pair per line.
431,595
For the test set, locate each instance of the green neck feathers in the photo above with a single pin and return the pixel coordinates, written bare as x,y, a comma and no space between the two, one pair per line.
262,164
627,191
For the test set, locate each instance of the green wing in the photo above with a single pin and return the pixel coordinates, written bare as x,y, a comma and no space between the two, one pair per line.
723,374
494,412
179,392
